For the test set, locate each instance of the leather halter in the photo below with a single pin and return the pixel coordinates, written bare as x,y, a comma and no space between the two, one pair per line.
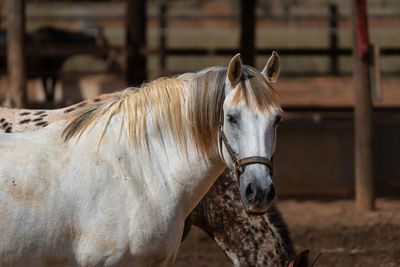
238,163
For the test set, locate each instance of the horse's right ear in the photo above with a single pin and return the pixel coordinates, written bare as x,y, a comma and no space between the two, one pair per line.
301,259
235,69
272,68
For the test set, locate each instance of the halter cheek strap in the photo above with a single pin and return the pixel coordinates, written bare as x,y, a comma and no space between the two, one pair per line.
238,163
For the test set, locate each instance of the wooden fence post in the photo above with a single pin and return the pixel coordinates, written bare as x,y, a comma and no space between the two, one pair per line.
163,36
333,38
247,31
135,18
364,185
16,94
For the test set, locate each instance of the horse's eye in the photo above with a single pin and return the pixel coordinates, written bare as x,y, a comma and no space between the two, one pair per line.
231,119
278,120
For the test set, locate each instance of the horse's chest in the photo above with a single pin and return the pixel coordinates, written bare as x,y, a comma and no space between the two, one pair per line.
158,235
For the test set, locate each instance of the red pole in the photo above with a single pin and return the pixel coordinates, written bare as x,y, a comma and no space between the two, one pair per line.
362,29
364,185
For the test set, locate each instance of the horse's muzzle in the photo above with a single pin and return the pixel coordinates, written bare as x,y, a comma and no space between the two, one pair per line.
256,199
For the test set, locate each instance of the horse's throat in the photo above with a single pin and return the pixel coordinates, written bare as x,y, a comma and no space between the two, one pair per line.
198,181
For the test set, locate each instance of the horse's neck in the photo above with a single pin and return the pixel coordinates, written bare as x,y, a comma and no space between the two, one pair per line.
194,178
183,174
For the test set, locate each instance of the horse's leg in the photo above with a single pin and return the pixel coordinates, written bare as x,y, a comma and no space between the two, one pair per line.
186,227
44,83
50,92
53,85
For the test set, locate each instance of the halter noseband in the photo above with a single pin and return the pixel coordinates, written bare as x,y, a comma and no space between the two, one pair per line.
238,163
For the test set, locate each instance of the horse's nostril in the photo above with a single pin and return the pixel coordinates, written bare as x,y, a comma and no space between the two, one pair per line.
251,193
271,194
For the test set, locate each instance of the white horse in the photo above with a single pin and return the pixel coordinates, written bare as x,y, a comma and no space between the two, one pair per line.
116,189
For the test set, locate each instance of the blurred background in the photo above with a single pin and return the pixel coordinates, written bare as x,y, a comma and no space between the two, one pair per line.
80,49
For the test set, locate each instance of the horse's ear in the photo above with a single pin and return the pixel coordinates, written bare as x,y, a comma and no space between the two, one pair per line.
272,69
301,259
235,69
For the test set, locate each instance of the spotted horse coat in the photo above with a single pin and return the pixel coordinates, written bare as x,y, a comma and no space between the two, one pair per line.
247,240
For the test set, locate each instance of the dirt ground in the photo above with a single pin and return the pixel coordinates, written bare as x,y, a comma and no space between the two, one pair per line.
343,236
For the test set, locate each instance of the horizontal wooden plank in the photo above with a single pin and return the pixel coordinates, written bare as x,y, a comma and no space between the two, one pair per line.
60,50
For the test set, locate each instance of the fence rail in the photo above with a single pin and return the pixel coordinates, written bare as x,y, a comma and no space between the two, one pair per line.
61,50
177,17
332,51
68,51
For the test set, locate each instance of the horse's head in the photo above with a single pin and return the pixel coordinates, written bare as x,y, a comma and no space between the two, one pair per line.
111,56
251,115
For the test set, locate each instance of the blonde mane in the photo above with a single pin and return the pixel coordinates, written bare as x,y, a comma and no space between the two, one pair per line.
193,115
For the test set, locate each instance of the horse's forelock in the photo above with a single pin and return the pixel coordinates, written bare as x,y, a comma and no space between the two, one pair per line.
255,91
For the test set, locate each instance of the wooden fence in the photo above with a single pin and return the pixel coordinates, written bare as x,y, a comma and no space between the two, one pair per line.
333,51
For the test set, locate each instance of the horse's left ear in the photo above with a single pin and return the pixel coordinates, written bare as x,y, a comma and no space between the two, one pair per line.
302,259
235,69
272,69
